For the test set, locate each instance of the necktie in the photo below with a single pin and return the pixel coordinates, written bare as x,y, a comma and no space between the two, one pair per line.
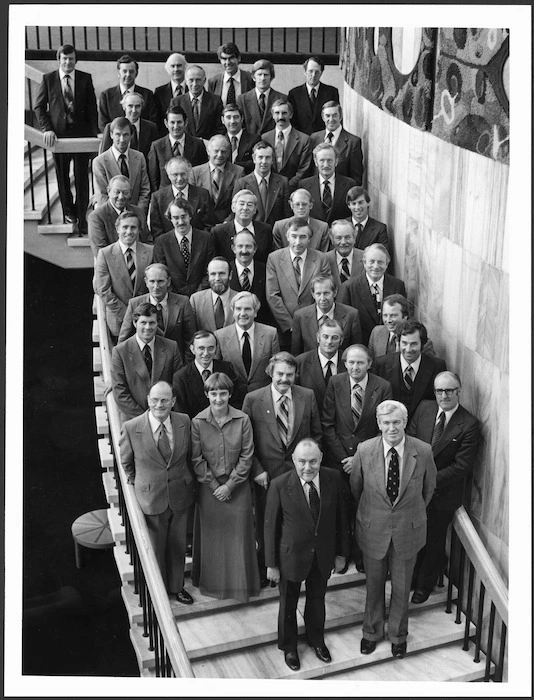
296,265
392,485
205,374
282,420
375,291
328,372
263,193
345,272
408,377
322,320
233,141
161,322
177,91
148,358
164,446
280,142
359,229
392,344
216,183
184,249
438,429
315,502
246,352
327,198
195,112
245,280
176,149
124,165
230,95
261,103
356,404
130,265
219,313
329,137
134,143
68,98
313,98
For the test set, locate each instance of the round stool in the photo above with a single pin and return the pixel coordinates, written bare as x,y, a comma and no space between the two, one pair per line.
91,530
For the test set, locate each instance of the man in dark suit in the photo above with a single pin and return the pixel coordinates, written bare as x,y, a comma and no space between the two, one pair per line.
109,105
188,382
308,99
248,273
175,315
140,361
366,291
119,270
306,537
175,65
178,171
66,107
291,147
185,250
244,205
281,415
155,453
368,230
143,131
327,189
241,142
218,177
392,482
308,320
257,102
316,367
410,372
301,203
454,436
175,143
271,189
212,307
233,81
345,260
203,109
384,338
101,221
348,146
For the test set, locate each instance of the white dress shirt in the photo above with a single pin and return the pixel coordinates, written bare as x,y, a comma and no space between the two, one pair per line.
400,451
155,426
306,487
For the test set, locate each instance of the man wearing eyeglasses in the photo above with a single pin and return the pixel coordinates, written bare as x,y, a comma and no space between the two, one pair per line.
454,435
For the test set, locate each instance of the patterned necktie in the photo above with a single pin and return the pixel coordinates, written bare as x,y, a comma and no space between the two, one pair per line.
327,198
130,265
263,193
329,137
261,104
176,149
359,229
205,374
148,358
216,183
279,148
392,344
345,272
68,99
230,95
164,445
124,165
322,320
408,377
177,91
282,420
134,143
245,280
195,112
328,372
161,322
375,291
184,249
219,313
356,404
438,429
246,352
392,485
315,501
296,265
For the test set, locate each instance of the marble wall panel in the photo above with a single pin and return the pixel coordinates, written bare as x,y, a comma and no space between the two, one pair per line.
469,298
411,267
502,341
488,305
452,287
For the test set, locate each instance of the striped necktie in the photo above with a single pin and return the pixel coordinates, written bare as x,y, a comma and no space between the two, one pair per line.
282,420
408,377
130,265
356,404
438,429
345,272
298,274
245,280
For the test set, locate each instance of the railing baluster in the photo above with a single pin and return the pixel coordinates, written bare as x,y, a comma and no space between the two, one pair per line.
98,38
61,36
497,676
109,38
30,163
478,637
459,601
448,608
468,612
489,647
156,647
150,613
158,37
47,188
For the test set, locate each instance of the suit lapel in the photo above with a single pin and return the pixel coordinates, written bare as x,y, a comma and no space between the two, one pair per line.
408,467
148,441
365,295
252,184
272,193
298,412
195,249
234,351
160,353
122,269
205,108
137,361
289,272
379,469
257,352
292,142
296,493
172,313
421,380
142,262
310,268
269,412
452,430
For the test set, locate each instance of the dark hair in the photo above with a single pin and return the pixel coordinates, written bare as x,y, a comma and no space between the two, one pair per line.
229,48
198,335
120,123
318,279
127,214
176,109
282,356
219,258
144,309
409,326
126,58
261,144
181,203
218,380
397,299
232,107
332,104
358,346
66,50
355,192
316,59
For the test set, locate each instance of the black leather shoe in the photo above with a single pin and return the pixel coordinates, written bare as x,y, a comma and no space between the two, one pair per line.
70,219
420,595
344,569
189,550
321,652
399,650
264,581
359,566
184,597
292,660
367,646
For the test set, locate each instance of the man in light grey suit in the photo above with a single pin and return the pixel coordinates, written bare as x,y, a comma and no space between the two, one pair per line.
212,307
392,480
120,268
345,260
120,159
301,203
155,454
247,345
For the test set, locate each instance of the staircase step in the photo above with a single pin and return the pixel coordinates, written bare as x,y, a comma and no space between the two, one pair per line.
102,425
106,456
99,388
115,524
38,164
55,228
76,241
97,360
110,488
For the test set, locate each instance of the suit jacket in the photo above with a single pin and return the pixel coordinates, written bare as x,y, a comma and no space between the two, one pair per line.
378,343
163,96
355,292
148,133
158,485
277,205
258,288
283,295
297,156
264,347
254,122
340,435
197,197
293,539
202,305
221,207
130,379
105,167
209,122
349,152
357,265
109,105
244,150
223,238
188,388
389,367
195,277
270,454
320,240
180,326
374,232
50,107
306,327
339,209
161,152
378,523
215,83
305,117
101,226
113,284
310,374
454,453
